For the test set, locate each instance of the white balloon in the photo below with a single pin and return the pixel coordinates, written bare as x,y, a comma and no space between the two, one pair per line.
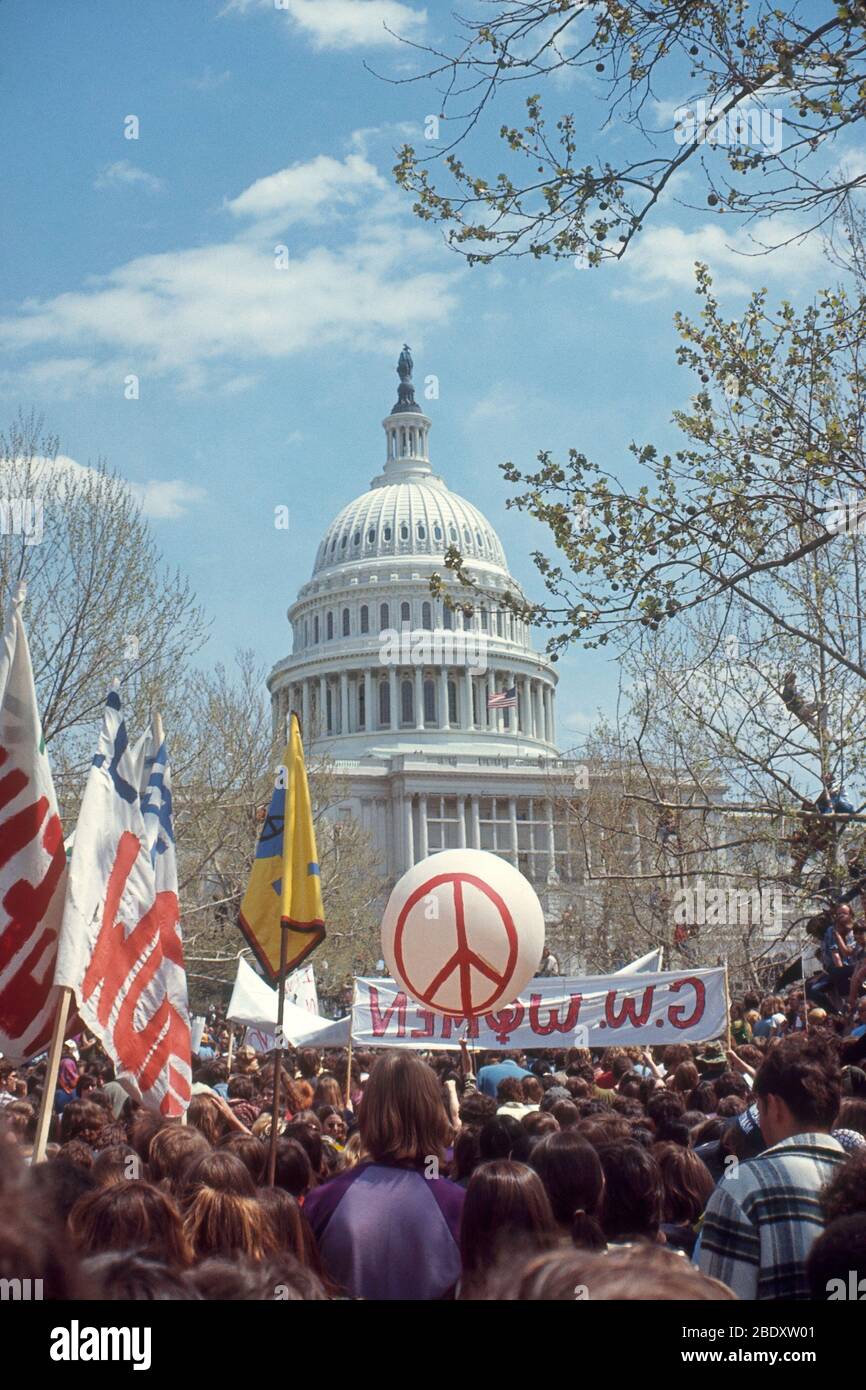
463,932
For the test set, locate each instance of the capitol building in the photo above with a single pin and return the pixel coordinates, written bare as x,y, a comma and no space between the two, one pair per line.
395,687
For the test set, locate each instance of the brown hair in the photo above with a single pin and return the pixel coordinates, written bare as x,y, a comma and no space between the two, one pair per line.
171,1150
130,1216
205,1115
686,1183
222,1214
251,1151
401,1116
636,1272
506,1207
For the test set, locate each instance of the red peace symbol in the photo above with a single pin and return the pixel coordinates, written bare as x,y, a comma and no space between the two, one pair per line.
464,956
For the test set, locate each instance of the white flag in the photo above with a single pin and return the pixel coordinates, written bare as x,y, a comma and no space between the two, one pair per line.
32,856
120,946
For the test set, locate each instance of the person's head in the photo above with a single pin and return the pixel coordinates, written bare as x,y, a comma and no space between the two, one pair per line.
852,1115
293,1172
532,1089
633,1191
308,1063
797,1089
309,1136
171,1150
467,1153
704,1098
503,1137
686,1183
284,1215
845,1193
81,1119
844,918
401,1116
573,1179
506,1210
332,1122
837,1260
130,1216
205,1115
117,1163
686,1078
566,1114
639,1272
536,1124
222,1215
251,1151
128,1277
327,1092
476,1108
510,1091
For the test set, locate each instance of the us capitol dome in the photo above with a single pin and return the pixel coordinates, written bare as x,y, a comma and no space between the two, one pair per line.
395,686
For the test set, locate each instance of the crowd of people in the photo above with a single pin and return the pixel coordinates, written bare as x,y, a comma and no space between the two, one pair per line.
699,1172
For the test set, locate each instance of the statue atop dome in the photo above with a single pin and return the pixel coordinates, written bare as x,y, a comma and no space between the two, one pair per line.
406,392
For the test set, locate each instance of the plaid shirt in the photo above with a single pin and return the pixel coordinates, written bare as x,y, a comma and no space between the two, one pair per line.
760,1222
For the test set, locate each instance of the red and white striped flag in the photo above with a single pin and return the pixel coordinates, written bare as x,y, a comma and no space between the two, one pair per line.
32,857
120,945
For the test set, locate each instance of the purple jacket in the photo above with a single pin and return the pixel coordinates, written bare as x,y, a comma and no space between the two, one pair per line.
387,1232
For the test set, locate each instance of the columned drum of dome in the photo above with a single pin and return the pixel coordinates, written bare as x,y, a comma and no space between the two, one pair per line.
395,686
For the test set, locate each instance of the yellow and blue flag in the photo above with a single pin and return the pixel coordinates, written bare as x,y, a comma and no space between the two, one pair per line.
285,885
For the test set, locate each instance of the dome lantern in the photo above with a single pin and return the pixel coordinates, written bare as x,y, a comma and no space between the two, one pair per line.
406,429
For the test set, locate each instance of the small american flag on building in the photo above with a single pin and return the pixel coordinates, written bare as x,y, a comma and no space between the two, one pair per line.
503,699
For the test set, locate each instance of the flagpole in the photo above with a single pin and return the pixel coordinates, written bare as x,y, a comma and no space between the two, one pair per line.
46,1109
231,1048
278,1059
349,1054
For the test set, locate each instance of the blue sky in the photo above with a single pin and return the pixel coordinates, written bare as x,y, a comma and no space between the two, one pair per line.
261,127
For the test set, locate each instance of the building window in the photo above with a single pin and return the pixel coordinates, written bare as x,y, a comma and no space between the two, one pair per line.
452,702
365,618
429,703
329,709
383,616
404,531
407,703
422,531
426,616
329,626
356,539
371,535
306,632
343,541
362,706
346,622
466,535
384,705
386,534
437,532
482,618
316,629
452,534
405,613
447,617
499,626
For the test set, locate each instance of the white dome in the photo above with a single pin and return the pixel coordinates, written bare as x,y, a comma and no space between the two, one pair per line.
420,517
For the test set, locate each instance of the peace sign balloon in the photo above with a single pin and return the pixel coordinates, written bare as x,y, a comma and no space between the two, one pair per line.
463,932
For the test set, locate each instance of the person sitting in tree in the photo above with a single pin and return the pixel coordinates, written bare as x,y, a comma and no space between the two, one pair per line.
805,710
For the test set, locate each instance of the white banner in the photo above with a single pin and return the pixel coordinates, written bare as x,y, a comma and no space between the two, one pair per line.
595,1011
254,1002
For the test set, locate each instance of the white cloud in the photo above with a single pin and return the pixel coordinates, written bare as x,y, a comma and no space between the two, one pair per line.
210,80
662,258
162,500
344,24
305,191
201,314
122,174
166,500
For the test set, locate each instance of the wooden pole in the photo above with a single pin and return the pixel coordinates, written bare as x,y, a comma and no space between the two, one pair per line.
55,1048
730,1040
278,1056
